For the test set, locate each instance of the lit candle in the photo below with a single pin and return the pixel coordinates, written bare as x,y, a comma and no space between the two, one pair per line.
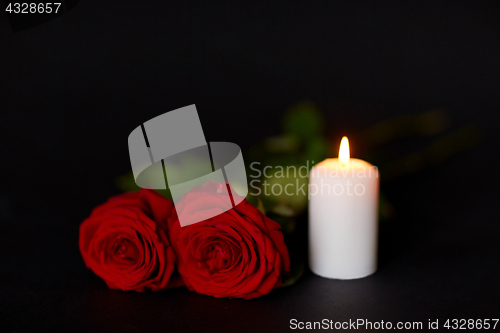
343,224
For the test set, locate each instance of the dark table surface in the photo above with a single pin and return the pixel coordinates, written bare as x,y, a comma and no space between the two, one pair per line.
73,88
438,260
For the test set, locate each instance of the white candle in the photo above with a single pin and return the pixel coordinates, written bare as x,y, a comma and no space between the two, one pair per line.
343,211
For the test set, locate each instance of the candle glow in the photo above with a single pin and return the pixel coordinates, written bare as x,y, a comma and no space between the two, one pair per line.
344,150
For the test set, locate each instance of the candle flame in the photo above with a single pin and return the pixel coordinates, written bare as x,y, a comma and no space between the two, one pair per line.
344,150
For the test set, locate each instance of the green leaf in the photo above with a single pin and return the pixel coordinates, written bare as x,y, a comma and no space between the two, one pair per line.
422,124
297,272
281,143
283,210
126,183
303,120
316,150
260,206
286,186
288,224
385,208
441,149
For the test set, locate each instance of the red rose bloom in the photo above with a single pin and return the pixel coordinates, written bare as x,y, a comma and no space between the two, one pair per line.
239,253
120,242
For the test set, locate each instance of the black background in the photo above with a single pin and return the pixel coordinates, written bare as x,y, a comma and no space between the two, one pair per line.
73,89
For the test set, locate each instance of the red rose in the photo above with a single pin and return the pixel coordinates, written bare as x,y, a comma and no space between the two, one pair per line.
239,253
121,244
